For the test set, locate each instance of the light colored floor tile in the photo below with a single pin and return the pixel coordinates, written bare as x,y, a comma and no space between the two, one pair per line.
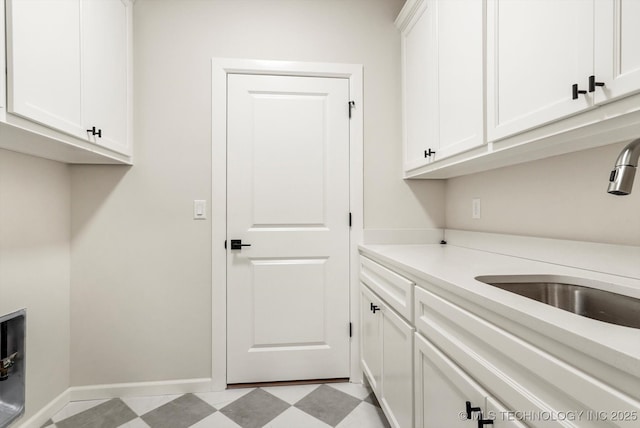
365,415
220,399
142,405
293,417
357,390
76,407
291,394
217,420
136,423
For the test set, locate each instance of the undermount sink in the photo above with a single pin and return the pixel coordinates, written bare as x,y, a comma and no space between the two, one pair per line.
585,301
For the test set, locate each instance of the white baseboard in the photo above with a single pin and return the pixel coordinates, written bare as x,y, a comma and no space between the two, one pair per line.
44,414
402,236
133,389
621,260
98,392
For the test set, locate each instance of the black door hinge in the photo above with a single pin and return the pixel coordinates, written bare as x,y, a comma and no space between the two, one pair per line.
352,105
350,330
225,244
349,219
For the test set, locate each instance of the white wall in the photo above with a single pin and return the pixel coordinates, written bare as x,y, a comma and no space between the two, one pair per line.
561,197
141,305
34,267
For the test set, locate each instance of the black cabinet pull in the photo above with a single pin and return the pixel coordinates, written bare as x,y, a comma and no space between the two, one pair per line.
470,409
575,91
374,308
483,422
95,132
429,153
593,83
236,244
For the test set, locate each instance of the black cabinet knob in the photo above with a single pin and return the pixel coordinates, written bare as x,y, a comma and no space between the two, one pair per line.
471,410
575,91
95,132
429,153
483,422
593,83
374,308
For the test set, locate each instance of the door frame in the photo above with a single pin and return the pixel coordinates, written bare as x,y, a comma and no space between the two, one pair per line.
220,68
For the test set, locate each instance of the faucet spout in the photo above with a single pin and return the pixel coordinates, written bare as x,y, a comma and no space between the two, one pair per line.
621,178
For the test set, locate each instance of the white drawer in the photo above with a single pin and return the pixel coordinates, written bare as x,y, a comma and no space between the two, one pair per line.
395,290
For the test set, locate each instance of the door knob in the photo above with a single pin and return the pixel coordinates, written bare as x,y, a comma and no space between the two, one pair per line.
236,244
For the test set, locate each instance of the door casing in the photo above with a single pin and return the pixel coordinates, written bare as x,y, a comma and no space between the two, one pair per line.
220,68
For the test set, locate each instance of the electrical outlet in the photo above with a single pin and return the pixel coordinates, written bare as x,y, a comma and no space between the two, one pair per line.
475,208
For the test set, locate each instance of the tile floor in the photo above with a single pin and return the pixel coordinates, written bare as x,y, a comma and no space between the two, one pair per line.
338,405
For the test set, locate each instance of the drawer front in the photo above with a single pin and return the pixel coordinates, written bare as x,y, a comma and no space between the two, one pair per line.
395,290
524,377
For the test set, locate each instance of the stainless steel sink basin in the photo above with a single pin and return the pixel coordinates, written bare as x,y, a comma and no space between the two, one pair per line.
581,300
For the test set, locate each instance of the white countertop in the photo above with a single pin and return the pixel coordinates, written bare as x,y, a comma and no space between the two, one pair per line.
455,269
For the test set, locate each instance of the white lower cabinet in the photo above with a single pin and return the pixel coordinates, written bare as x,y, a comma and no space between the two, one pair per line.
445,396
451,351
387,358
371,338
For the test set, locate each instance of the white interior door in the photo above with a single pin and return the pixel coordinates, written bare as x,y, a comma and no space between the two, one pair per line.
288,198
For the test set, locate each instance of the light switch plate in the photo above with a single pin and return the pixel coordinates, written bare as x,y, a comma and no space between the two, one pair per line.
475,208
199,209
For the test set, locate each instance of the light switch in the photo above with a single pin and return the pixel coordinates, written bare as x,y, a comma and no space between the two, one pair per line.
475,208
199,209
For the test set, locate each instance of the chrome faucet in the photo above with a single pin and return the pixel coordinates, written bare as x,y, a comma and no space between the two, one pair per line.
621,178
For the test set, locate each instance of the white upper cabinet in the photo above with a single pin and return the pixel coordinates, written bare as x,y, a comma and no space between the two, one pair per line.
548,59
44,63
105,65
442,73
617,49
419,81
460,76
69,69
536,51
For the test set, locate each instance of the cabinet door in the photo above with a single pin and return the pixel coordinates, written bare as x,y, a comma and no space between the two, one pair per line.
536,51
105,64
371,337
44,63
617,37
397,369
501,417
442,389
460,76
420,85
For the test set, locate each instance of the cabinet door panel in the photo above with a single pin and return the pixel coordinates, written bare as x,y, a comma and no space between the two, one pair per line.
536,51
44,63
420,86
442,389
502,418
105,64
397,369
460,75
617,55
371,337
